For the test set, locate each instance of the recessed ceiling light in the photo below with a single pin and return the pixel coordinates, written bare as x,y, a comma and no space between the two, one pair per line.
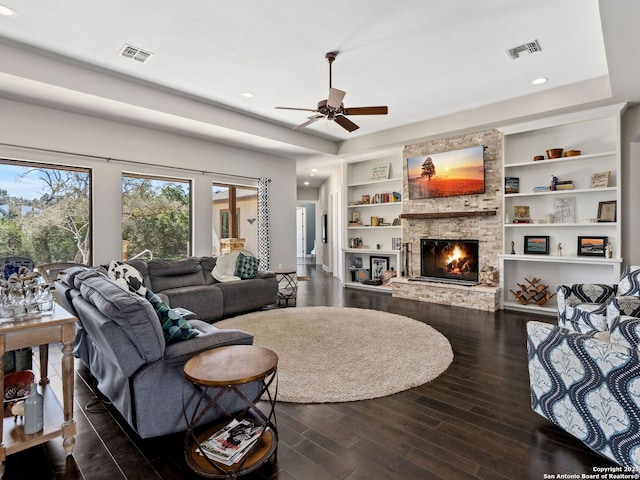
7,12
314,169
248,95
306,183
539,81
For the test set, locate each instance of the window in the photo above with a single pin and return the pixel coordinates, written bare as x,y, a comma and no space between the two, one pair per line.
156,217
238,232
45,212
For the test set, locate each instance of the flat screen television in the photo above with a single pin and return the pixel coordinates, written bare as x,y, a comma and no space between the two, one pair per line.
446,174
449,260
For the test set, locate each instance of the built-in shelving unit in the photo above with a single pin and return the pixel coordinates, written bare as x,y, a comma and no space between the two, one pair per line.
562,215
373,205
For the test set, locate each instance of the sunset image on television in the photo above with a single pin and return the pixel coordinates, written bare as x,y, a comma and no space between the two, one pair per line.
446,174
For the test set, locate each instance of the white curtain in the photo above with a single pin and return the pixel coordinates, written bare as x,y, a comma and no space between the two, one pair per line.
264,238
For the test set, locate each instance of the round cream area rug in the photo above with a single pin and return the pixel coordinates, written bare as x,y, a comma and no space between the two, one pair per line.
333,354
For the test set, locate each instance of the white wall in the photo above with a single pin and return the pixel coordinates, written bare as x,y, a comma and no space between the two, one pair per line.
31,126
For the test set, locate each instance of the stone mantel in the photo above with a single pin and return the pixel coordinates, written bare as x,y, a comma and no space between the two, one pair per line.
435,215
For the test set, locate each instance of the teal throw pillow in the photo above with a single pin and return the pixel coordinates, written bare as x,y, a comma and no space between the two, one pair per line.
174,326
246,266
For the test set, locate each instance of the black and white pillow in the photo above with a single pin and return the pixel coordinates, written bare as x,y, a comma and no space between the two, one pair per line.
127,277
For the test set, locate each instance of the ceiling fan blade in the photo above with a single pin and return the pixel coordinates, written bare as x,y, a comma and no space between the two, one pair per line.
381,110
309,122
335,97
293,108
345,123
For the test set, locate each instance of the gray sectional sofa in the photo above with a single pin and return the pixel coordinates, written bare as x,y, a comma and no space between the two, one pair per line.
120,338
188,283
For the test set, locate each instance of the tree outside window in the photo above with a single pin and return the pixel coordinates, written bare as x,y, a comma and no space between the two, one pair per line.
156,217
45,212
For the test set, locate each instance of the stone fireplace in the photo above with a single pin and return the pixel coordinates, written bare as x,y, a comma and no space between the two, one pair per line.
466,217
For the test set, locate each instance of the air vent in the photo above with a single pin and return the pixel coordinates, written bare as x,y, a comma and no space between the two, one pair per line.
135,53
527,48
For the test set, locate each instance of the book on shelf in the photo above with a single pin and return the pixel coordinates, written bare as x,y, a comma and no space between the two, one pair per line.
511,185
229,444
541,188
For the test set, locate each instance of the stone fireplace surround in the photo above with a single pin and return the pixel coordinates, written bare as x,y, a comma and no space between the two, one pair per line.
462,217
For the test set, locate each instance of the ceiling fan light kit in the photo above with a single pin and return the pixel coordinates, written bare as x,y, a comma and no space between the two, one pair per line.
333,109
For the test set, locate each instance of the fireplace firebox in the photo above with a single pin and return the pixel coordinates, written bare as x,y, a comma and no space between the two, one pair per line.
451,261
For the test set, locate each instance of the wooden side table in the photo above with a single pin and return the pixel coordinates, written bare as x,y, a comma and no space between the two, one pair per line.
287,286
58,326
225,370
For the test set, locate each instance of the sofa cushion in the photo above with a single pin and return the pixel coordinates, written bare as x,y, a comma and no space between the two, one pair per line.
166,274
246,266
127,277
132,313
174,326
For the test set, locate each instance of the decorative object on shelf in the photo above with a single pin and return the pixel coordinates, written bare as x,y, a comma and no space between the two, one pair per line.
513,247
362,274
592,246
396,243
380,172
17,385
355,217
427,176
521,214
608,250
488,276
554,153
33,411
538,245
559,249
537,158
17,410
607,211
387,276
355,263
600,180
366,199
572,153
511,185
378,265
564,210
533,292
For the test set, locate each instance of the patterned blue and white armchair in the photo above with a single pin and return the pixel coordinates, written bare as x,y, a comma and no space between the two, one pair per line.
589,385
591,307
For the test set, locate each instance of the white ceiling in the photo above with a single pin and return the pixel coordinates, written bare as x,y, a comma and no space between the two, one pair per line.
425,59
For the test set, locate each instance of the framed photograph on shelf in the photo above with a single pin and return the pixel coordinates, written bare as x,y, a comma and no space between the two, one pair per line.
355,263
600,180
592,246
521,214
607,211
538,245
378,265
511,185
564,210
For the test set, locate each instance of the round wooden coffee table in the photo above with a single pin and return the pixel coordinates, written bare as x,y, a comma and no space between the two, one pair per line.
216,373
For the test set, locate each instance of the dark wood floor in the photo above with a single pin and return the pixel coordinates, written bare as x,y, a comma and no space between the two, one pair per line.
474,421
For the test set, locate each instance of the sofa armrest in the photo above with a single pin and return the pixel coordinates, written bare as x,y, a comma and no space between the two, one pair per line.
261,274
209,337
588,387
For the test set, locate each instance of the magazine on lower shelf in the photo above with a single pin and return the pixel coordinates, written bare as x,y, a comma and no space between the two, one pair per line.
229,444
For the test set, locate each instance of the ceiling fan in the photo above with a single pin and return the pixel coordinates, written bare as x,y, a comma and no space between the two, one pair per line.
333,109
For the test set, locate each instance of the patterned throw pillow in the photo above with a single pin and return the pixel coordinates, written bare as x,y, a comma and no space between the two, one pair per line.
246,266
174,327
126,277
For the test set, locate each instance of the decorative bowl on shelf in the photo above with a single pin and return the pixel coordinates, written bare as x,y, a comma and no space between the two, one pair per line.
572,153
538,157
17,385
554,153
